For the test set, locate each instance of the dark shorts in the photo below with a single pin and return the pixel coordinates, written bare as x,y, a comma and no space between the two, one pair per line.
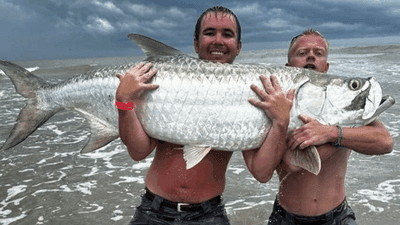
156,210
341,215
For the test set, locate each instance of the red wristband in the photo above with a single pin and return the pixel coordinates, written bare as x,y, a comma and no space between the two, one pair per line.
124,106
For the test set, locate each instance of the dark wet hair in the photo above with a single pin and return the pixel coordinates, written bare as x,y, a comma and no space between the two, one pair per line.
216,9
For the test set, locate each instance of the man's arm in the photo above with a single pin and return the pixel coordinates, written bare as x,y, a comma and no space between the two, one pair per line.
372,139
132,85
262,162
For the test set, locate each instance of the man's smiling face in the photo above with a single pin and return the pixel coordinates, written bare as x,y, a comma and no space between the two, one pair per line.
218,38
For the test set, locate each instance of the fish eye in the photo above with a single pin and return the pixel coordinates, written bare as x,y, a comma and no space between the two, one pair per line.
354,84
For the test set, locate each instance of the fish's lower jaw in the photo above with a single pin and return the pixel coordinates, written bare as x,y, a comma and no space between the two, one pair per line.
386,102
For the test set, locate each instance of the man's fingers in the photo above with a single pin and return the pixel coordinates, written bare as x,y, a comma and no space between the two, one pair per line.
146,67
254,102
148,76
135,67
266,84
259,104
143,67
139,65
151,73
119,76
290,94
149,87
275,83
305,119
261,93
304,145
291,144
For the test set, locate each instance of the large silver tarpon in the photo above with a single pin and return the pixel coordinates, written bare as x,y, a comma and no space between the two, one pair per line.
199,104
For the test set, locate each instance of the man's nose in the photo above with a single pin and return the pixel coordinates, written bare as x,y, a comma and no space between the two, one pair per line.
218,39
311,56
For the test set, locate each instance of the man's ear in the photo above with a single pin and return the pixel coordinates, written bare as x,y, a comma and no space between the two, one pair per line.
196,45
327,67
239,48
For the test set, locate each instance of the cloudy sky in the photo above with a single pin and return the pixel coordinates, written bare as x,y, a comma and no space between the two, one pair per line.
57,29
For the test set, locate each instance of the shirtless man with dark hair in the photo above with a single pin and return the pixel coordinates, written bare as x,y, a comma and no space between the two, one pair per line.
173,193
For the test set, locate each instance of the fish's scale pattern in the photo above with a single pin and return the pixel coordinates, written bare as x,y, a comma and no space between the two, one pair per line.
94,96
203,103
197,102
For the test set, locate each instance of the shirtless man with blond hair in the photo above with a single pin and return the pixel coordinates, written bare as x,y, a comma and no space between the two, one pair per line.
173,193
305,198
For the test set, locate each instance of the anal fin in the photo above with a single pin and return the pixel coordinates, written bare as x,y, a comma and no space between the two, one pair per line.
102,132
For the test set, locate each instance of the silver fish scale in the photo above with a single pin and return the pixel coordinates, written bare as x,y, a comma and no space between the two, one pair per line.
204,103
92,92
95,96
198,102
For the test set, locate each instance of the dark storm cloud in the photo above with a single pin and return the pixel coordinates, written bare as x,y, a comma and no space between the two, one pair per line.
87,28
49,29
281,20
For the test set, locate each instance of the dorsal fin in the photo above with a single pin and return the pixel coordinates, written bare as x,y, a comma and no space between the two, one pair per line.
153,48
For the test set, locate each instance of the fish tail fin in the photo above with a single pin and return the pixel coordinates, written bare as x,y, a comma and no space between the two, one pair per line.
194,154
31,116
153,48
307,159
25,82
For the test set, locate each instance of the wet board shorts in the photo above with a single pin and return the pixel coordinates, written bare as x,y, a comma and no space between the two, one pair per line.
157,210
341,215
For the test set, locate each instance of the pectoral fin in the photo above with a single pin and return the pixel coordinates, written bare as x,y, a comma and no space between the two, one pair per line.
307,159
194,154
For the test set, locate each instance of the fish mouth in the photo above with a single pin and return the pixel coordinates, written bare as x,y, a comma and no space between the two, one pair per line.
310,66
374,103
386,102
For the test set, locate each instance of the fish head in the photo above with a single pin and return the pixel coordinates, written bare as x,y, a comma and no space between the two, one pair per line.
354,101
345,101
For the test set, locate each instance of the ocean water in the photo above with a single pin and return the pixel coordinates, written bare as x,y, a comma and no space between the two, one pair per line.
45,180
